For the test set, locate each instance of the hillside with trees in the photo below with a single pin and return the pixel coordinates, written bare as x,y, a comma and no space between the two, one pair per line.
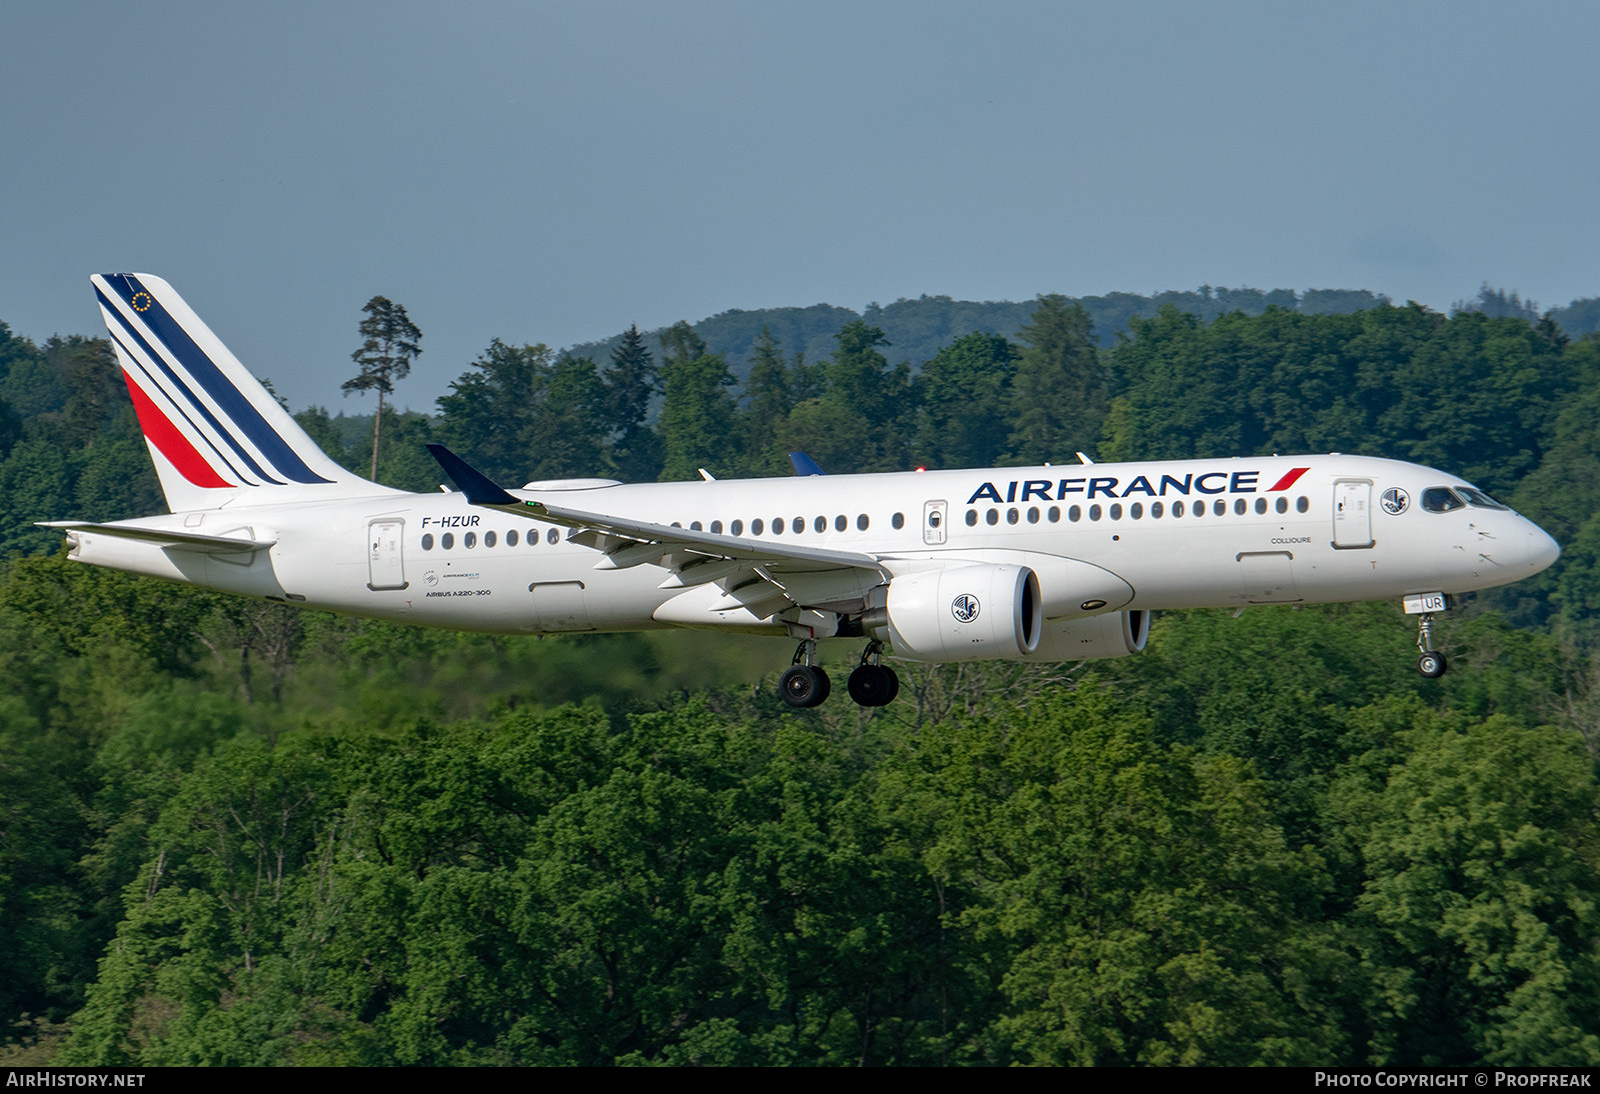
232,832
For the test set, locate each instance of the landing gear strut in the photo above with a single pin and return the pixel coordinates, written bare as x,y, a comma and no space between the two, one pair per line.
873,684
1432,663
802,683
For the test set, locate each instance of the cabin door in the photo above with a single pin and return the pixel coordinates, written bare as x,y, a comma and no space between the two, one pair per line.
386,568
1352,514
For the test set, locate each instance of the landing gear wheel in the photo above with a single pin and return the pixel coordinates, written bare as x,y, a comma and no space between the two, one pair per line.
804,686
874,685
1432,665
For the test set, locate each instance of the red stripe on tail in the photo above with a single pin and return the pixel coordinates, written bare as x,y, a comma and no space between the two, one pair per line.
160,431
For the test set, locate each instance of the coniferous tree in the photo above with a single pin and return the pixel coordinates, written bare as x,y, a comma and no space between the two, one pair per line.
631,383
385,356
1058,397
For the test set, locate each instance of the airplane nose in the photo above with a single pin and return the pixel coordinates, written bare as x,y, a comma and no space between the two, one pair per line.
1542,549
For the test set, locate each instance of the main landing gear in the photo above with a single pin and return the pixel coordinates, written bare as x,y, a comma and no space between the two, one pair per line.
873,684
804,684
1432,663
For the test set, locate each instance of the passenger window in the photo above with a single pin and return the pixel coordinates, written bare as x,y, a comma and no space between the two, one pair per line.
1011,516
1033,514
716,527
1177,508
840,523
1240,506
992,516
1116,510
757,526
1261,505
447,541
737,528
1136,510
972,518
898,521
470,540
427,542
488,539
861,522
1075,514
1283,505
1219,507
1053,514
694,526
1094,512
820,524
553,536
1301,504
512,537
777,526
1156,509
799,525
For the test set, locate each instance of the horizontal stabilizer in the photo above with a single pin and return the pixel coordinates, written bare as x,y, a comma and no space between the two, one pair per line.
193,541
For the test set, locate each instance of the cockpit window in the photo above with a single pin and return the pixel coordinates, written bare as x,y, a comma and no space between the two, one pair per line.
1479,500
1441,499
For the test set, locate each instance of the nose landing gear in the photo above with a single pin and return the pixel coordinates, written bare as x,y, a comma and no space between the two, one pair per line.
1432,663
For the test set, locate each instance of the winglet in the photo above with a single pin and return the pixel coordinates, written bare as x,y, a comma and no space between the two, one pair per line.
478,487
804,464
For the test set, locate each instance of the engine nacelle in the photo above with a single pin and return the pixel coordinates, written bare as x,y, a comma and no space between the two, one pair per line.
1114,634
963,613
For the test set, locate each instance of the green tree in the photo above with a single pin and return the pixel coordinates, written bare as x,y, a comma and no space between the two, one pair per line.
390,344
523,414
1478,919
632,382
1058,396
697,413
961,394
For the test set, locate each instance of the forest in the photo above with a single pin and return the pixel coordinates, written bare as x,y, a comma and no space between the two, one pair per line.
234,833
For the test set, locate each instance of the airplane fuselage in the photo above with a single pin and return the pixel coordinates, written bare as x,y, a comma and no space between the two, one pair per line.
1101,538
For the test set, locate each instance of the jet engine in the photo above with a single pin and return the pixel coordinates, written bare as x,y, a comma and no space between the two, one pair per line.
962,613
1113,634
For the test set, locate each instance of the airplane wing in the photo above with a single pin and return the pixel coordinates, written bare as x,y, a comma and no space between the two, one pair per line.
759,576
192,541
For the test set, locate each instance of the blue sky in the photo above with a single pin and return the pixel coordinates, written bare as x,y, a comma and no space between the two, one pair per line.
554,172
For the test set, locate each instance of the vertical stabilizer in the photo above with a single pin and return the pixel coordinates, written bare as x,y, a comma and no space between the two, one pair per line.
215,434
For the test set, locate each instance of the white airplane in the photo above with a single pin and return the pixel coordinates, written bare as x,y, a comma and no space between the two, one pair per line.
1052,563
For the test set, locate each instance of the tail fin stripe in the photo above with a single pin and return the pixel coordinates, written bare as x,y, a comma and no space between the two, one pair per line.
154,357
134,359
171,442
245,417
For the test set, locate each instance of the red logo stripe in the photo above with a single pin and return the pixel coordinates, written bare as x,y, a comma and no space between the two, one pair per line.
159,431
1289,480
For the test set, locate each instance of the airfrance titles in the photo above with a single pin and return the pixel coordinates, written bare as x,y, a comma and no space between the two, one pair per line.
1110,486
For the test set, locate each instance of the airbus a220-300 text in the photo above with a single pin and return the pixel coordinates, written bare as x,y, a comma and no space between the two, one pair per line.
1051,563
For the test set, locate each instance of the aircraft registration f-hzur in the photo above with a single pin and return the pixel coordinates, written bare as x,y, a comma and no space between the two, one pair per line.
1052,563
